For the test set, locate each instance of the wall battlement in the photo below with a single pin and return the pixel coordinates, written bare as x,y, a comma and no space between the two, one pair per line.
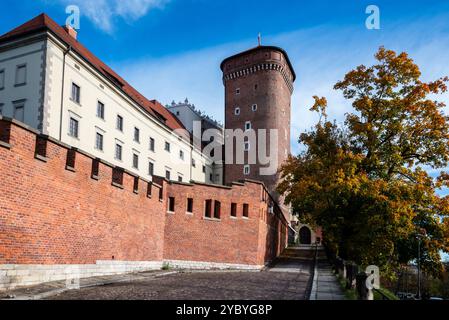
60,206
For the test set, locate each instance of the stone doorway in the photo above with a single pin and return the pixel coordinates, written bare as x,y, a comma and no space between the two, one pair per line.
305,236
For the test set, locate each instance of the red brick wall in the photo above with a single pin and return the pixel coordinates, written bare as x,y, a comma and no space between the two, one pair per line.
52,215
192,237
49,215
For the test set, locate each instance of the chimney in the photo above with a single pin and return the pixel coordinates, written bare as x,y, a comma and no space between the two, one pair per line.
71,31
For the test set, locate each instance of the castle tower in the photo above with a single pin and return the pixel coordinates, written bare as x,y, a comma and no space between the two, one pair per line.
258,88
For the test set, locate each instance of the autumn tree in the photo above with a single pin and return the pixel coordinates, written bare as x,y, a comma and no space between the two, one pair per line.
366,183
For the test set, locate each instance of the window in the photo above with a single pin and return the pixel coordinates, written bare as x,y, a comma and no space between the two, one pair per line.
177,113
135,161
237,91
246,170
76,93
247,145
151,168
118,152
99,142
152,144
208,209
136,135
204,169
2,79
245,210
171,204
217,210
211,177
167,174
247,125
120,123
254,107
19,111
180,179
237,111
21,75
193,160
100,110
234,210
167,146
181,155
73,128
189,205
256,87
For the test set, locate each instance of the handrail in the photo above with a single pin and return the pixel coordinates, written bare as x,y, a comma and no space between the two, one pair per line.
308,292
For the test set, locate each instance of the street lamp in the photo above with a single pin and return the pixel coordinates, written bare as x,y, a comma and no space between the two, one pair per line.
420,235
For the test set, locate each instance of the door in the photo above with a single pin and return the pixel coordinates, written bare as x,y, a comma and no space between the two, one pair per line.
305,236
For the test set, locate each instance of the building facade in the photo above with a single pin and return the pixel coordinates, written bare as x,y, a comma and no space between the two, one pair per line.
49,81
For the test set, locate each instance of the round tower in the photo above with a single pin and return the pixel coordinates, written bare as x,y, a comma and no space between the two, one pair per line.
258,88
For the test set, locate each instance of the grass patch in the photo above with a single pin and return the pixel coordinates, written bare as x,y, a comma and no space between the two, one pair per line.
350,294
166,266
390,295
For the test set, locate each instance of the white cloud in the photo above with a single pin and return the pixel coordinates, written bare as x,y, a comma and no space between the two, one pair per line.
104,13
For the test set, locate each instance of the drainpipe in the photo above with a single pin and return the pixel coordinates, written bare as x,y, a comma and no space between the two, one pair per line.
62,91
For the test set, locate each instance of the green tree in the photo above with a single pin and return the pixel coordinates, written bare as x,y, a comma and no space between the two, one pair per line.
365,182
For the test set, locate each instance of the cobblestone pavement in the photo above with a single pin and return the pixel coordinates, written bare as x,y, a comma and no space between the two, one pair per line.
267,285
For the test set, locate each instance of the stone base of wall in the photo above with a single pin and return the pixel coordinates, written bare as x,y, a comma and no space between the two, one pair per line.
13,276
200,265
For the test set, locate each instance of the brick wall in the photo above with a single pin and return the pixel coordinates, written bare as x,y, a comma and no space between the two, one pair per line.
61,207
51,215
252,240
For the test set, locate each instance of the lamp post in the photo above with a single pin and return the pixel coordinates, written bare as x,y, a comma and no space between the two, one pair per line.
420,235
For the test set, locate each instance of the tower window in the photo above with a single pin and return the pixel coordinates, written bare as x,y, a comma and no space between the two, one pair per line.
247,125
167,146
189,205
76,90
151,168
254,107
234,210
152,143
119,124
73,128
100,110
237,111
99,142
135,161
246,170
136,135
171,204
118,152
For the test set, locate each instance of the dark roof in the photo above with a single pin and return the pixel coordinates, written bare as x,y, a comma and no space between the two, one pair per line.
259,48
44,22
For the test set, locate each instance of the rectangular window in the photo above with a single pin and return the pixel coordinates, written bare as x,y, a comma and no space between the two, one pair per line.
246,170
245,210
211,177
204,169
2,79
171,204
19,111
119,123
217,210
193,163
21,75
135,161
167,174
151,168
181,155
74,127
152,144
208,209
167,146
189,205
136,135
180,179
234,210
100,110
76,90
99,142
247,125
118,152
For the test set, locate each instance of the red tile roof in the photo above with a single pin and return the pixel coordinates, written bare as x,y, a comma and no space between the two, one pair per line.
44,22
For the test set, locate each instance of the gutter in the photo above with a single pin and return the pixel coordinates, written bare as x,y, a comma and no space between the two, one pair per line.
62,91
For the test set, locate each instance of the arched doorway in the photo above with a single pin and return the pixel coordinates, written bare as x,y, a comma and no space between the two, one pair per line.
305,236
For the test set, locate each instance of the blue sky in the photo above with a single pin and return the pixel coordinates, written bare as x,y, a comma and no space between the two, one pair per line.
171,49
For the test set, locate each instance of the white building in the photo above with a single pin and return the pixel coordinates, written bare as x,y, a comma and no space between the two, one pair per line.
51,82
190,117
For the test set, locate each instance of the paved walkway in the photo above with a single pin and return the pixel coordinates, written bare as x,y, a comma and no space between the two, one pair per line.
325,284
